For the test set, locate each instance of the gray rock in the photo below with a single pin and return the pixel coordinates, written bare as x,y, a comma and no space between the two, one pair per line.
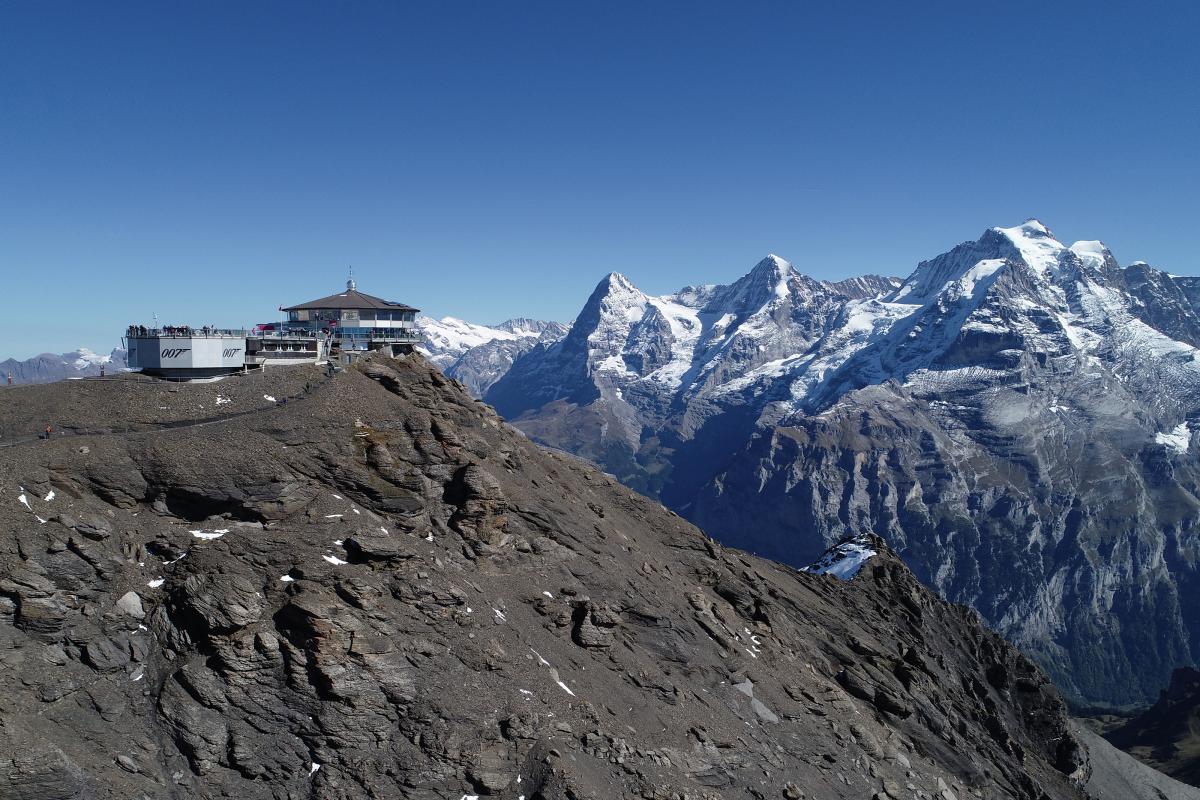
131,604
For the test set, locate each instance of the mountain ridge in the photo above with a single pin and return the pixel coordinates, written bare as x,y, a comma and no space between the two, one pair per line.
1012,365
387,591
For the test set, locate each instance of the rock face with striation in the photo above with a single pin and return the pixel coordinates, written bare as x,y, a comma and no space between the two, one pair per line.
1017,418
380,590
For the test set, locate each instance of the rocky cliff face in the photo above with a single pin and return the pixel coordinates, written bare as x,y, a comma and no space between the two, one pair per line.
382,590
1016,418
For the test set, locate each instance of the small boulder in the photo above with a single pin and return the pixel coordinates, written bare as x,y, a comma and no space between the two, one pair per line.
377,548
131,604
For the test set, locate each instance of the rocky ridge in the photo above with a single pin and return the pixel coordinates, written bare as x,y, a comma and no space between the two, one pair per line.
382,590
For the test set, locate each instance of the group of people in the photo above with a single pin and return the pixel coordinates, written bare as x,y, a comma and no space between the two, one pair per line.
172,330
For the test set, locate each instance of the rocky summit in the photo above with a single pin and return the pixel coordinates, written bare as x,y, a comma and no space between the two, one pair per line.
289,585
1017,418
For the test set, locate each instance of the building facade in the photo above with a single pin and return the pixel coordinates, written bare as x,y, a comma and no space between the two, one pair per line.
354,321
341,326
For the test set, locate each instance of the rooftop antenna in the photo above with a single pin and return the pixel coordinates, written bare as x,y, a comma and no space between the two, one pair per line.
350,284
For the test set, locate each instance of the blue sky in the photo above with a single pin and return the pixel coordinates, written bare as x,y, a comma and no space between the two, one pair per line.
210,161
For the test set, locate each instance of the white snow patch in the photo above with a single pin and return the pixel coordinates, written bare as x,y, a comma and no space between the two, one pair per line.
1091,253
222,400
286,578
844,559
24,501
335,560
981,271
48,497
268,398
209,535
1178,439
157,582
553,672
313,767
334,516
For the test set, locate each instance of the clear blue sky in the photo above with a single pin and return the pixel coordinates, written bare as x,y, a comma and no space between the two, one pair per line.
209,161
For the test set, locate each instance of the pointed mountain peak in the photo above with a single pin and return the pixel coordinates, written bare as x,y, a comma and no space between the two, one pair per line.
614,295
1029,229
772,263
1036,245
615,281
770,277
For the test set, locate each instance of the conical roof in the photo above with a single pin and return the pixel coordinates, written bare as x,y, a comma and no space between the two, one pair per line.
351,299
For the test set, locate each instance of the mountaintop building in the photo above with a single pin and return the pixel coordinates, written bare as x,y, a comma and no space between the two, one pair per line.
356,320
340,327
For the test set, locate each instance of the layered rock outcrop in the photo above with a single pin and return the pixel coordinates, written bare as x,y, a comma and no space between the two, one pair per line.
380,590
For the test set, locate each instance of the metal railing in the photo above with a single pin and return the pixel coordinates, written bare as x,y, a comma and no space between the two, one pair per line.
183,331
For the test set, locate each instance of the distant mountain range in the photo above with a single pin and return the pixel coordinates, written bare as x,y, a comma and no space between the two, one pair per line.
50,367
478,355
1016,417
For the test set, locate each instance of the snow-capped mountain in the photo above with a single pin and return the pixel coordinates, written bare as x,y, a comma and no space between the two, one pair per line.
49,367
634,363
477,355
1017,417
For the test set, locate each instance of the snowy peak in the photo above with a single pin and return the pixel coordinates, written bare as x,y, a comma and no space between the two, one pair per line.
773,273
616,283
523,326
1031,227
1036,245
479,355
448,338
1030,244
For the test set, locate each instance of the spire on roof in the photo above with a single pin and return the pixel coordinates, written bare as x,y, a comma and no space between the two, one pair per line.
351,286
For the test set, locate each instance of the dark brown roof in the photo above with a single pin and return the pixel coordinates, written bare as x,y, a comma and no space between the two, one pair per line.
352,298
